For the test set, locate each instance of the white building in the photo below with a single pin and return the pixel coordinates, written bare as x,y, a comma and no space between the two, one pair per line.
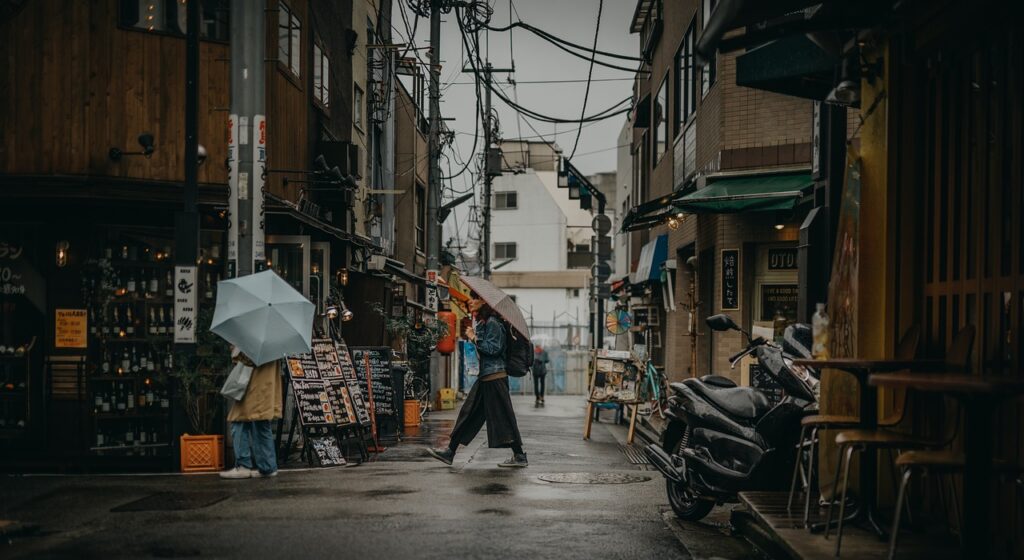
540,242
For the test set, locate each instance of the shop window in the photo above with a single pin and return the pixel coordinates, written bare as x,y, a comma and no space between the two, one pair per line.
169,17
709,72
289,38
504,250
506,200
686,83
321,77
660,113
357,107
421,217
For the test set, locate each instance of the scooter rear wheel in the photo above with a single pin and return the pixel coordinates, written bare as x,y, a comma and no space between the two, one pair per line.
684,501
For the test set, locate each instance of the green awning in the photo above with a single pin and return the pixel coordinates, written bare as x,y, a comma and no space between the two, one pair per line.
761,193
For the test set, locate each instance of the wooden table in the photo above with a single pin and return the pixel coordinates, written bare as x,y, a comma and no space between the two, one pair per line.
978,395
861,369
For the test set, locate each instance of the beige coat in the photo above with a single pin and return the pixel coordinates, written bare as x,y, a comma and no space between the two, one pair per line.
262,400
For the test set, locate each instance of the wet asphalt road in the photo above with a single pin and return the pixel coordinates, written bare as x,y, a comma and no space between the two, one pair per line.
402,506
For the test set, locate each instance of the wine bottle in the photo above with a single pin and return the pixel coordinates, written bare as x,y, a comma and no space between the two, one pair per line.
129,397
154,286
126,365
169,285
93,325
97,402
131,283
149,397
151,321
165,400
129,320
124,252
129,435
105,367
100,441
209,287
106,402
121,405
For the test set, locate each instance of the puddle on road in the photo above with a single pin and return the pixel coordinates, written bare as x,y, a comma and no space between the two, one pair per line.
389,491
492,489
495,511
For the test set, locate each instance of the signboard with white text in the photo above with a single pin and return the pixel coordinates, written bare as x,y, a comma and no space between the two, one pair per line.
185,310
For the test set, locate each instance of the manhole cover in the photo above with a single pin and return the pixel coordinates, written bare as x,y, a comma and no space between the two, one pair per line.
593,478
173,501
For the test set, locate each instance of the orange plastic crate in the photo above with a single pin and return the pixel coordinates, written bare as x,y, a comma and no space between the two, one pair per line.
202,453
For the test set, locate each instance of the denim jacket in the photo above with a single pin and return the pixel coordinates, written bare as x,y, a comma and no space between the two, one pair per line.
490,344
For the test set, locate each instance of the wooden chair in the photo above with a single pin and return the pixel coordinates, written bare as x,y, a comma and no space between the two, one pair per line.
958,358
905,350
942,462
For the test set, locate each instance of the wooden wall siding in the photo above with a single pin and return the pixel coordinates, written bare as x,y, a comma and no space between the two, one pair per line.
971,182
287,103
73,85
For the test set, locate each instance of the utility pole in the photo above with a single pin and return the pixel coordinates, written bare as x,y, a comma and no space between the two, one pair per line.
186,222
434,198
247,137
487,173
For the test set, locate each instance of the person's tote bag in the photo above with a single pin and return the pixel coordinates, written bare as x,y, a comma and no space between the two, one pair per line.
237,382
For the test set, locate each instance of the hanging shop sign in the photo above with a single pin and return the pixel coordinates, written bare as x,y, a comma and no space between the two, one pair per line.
259,158
185,311
70,328
730,279
233,193
782,258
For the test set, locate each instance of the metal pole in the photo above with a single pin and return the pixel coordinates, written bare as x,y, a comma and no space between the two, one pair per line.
186,226
434,197
487,175
248,22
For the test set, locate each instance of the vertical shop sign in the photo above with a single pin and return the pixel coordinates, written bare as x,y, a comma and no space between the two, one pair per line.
259,159
233,194
185,312
70,328
730,279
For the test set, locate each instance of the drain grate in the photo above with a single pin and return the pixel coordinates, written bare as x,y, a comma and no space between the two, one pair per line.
173,501
593,478
635,455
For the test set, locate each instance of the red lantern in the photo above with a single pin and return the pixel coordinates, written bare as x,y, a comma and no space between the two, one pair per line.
447,343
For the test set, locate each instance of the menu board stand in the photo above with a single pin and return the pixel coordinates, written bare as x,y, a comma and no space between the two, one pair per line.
329,406
615,377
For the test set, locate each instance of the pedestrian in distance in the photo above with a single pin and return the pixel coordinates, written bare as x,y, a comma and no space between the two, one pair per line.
488,400
250,418
540,371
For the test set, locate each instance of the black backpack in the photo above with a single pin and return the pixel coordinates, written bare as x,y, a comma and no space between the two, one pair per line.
518,354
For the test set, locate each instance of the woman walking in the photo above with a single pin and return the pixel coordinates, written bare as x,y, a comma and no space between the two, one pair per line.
489,400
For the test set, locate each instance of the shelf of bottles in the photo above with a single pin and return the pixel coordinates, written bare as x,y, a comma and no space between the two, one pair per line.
131,330
15,363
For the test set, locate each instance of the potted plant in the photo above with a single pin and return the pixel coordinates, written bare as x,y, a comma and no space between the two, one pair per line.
198,377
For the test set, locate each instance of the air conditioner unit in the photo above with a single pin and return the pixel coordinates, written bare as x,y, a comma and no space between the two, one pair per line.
376,262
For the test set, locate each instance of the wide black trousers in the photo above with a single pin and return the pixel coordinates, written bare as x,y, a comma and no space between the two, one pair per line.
490,402
538,384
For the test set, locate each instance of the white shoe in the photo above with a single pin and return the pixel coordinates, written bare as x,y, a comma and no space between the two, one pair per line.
239,473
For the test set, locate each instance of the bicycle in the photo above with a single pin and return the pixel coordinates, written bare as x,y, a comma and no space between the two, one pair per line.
419,389
654,389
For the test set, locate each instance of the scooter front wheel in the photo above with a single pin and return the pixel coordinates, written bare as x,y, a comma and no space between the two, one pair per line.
685,502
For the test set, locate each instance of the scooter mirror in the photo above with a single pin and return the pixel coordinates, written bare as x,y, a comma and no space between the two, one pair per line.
722,323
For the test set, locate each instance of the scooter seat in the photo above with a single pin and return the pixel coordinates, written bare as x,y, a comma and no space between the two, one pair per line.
743,402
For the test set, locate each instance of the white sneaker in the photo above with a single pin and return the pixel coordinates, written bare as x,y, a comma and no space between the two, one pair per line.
239,473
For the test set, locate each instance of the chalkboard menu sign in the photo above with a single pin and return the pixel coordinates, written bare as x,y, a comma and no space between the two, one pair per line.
326,450
376,361
730,279
348,374
761,379
322,396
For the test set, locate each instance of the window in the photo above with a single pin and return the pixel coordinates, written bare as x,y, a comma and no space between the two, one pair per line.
686,83
289,35
707,74
421,216
506,200
660,115
321,77
169,16
357,107
504,250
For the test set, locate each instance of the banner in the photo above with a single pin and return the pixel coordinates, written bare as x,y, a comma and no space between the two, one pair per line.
185,312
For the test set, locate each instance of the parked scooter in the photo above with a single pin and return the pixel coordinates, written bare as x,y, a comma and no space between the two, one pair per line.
722,439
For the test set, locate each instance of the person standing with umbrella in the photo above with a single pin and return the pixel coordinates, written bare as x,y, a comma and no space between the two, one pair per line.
489,400
264,319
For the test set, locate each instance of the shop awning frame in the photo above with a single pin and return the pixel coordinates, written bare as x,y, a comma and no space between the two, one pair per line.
277,205
753,193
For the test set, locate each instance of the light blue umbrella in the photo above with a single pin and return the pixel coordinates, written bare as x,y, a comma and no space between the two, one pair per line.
263,316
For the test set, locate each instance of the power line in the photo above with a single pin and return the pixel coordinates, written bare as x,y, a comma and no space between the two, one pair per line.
558,40
590,74
574,81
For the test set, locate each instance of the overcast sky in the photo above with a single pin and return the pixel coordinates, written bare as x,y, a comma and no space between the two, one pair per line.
537,60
